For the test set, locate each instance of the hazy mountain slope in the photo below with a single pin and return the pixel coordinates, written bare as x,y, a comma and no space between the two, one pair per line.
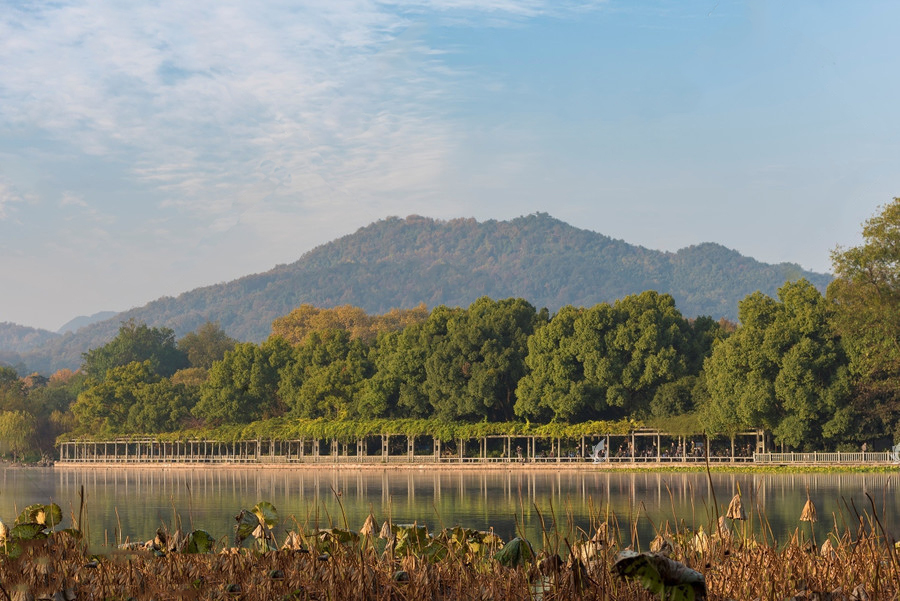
16,338
402,262
77,323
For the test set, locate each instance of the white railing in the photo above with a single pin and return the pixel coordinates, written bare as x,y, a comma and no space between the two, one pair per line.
856,458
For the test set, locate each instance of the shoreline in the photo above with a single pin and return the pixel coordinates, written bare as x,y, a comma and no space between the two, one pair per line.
495,467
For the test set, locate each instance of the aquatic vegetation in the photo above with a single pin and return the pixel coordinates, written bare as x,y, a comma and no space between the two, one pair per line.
660,575
40,560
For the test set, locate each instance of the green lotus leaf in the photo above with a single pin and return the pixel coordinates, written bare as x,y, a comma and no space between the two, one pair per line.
50,515
266,513
434,552
31,531
12,549
29,514
247,522
199,541
46,515
517,552
410,539
344,536
661,576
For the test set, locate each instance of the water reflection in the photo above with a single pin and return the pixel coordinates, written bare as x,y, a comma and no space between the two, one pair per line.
134,502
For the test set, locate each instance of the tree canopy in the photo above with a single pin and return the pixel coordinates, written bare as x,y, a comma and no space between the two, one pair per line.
136,342
866,298
783,370
206,345
815,371
608,360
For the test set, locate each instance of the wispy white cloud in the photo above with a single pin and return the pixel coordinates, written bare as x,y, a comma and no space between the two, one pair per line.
9,197
235,120
72,199
223,106
503,9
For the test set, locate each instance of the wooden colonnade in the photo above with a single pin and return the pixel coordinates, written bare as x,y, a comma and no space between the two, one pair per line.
367,450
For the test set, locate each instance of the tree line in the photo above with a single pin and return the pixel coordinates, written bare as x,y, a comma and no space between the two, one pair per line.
816,371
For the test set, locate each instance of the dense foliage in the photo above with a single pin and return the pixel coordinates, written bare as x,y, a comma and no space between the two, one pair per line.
783,370
450,369
866,295
136,342
405,262
609,359
817,373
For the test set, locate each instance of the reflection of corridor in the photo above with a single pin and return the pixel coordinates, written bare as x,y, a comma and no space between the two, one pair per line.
134,502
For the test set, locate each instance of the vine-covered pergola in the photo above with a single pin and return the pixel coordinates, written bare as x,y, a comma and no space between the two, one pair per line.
408,441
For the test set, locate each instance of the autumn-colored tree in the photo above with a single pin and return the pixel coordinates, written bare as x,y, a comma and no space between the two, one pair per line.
299,324
62,377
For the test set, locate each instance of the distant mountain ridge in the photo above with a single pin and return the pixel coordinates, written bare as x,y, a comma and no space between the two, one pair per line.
73,325
15,337
398,262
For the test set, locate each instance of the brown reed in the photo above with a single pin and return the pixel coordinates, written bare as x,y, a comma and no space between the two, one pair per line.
855,564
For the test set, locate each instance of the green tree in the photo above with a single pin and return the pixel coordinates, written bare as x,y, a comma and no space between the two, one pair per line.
674,398
50,404
555,385
8,376
704,332
104,406
607,361
206,345
397,386
866,297
326,375
17,431
136,343
473,371
631,348
243,386
739,376
12,390
133,398
160,407
783,370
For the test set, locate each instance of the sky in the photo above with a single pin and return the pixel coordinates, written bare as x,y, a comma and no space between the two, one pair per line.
150,148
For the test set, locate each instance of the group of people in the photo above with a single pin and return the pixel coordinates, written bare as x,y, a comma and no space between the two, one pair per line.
693,450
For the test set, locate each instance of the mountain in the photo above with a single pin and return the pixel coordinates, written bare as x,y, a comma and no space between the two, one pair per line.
403,262
77,323
22,338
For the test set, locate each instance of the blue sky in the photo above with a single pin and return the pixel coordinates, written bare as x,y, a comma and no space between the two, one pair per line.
149,149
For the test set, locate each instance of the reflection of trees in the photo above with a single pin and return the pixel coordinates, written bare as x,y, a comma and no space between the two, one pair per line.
146,498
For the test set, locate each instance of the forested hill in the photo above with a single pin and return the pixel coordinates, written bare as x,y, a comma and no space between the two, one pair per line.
403,262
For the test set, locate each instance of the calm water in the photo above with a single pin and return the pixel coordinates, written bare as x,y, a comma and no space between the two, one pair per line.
145,499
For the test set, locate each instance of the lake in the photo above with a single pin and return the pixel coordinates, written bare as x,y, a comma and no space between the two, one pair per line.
140,500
